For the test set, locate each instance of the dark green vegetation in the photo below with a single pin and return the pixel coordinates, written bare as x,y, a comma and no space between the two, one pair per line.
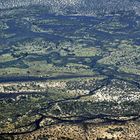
44,45
96,59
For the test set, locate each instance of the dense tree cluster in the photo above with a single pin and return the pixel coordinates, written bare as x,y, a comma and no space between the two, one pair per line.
77,6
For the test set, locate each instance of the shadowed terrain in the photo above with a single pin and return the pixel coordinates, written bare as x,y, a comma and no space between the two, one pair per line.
72,74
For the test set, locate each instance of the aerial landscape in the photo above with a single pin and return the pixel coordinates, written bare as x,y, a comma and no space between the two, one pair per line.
70,70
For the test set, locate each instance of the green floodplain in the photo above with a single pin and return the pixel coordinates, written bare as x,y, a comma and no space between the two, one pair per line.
84,66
